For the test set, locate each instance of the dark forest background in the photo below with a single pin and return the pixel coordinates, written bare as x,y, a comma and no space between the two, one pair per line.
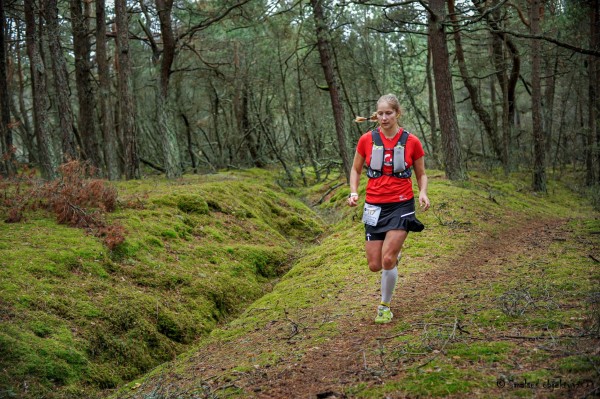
198,86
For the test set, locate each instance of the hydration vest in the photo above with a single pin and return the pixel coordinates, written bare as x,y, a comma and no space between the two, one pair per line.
375,167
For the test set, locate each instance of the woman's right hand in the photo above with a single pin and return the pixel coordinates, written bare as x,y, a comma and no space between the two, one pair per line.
353,199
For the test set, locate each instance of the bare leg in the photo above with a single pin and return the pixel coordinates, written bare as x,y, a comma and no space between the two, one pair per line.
384,255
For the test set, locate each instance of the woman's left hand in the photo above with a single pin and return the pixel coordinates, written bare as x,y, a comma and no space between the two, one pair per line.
424,201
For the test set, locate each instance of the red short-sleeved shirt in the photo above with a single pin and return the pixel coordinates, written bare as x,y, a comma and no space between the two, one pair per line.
388,189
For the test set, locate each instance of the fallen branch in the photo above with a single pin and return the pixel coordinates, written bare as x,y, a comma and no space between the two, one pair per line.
320,201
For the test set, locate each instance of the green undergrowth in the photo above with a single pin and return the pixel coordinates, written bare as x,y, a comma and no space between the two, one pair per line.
308,303
76,318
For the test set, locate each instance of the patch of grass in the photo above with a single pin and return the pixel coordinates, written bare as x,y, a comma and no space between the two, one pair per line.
480,352
578,363
436,380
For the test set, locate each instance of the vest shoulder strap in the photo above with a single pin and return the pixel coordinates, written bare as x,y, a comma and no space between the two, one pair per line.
404,138
377,138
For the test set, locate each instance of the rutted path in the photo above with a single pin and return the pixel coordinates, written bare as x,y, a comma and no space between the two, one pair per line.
353,354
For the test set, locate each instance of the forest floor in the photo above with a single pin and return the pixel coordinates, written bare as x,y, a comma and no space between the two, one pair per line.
497,316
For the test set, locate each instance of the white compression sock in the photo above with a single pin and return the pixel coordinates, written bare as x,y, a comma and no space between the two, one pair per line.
389,278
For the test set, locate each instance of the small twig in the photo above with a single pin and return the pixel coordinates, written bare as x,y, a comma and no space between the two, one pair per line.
594,258
443,346
593,392
535,338
320,201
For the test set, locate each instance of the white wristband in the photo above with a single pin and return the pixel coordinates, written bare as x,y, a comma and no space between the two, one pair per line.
353,194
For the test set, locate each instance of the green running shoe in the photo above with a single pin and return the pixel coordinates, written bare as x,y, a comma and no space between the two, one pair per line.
384,315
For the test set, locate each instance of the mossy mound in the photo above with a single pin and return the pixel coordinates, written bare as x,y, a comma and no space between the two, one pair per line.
77,318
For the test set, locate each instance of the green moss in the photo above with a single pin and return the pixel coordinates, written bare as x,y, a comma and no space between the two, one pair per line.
202,248
577,364
480,352
192,204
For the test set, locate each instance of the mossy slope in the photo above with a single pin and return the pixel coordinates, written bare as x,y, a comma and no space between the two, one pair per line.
320,303
76,319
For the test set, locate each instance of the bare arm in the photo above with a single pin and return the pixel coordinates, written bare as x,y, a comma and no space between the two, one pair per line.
355,172
419,167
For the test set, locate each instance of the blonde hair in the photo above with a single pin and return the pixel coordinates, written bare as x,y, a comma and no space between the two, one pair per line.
391,99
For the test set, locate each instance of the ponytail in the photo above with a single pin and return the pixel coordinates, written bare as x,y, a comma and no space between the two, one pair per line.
372,118
391,99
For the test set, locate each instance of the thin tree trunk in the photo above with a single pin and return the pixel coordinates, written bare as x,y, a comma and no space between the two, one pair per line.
411,97
594,101
478,107
323,45
454,167
126,99
190,142
46,156
431,102
27,135
215,107
7,156
548,105
85,94
303,126
170,146
293,126
109,136
539,151
61,83
508,83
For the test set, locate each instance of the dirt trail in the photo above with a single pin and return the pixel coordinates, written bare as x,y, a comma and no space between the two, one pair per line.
348,359
326,369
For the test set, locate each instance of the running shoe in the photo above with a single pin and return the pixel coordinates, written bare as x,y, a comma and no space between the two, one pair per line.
384,315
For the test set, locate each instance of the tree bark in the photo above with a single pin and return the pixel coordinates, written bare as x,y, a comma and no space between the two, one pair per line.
444,92
539,151
109,136
170,146
26,124
431,106
127,124
593,176
46,155
7,156
61,83
323,45
85,93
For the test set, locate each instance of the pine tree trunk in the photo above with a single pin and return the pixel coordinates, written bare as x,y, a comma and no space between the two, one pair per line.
170,146
539,151
323,45
7,157
485,118
26,130
85,93
46,156
593,176
431,107
127,125
444,93
61,84
508,83
109,136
